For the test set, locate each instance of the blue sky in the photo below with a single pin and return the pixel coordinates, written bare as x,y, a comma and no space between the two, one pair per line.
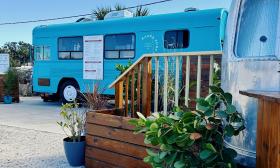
21,10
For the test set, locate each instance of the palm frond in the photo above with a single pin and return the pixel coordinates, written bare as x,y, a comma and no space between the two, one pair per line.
119,7
140,11
101,12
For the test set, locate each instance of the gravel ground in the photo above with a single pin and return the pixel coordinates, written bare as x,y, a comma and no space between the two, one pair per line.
20,147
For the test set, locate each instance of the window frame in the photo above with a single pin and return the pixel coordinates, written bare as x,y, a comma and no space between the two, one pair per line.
43,52
176,30
58,51
276,54
119,51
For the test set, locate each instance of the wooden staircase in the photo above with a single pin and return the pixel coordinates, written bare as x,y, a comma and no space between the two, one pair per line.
142,89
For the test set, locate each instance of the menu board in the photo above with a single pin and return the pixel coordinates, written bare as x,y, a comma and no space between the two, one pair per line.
4,63
93,57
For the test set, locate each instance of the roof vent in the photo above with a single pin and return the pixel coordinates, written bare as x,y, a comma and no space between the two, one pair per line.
118,14
83,20
191,9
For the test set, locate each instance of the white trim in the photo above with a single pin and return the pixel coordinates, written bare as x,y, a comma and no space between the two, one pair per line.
277,47
165,89
177,82
198,77
187,85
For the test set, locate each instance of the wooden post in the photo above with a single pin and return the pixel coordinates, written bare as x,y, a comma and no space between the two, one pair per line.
132,93
139,73
126,94
147,86
156,85
268,128
119,95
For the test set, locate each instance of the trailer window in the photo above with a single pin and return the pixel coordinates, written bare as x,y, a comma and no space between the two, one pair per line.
176,39
42,53
47,52
70,47
257,28
119,46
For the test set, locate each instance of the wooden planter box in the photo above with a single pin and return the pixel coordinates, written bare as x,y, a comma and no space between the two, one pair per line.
110,141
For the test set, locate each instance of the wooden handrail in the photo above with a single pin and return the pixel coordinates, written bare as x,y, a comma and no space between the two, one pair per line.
138,79
175,54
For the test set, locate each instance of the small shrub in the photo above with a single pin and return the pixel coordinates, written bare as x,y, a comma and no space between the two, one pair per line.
95,100
74,121
193,138
10,82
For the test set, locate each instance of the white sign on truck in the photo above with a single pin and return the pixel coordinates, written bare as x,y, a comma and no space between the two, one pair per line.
4,63
93,57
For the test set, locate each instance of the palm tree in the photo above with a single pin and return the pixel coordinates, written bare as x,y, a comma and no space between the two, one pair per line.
141,11
100,12
119,7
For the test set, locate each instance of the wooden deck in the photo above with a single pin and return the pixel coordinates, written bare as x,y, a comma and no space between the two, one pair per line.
111,143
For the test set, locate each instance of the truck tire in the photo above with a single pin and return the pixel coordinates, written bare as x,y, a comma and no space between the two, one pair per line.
68,92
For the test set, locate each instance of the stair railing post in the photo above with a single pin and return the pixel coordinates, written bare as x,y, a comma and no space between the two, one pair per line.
147,86
119,94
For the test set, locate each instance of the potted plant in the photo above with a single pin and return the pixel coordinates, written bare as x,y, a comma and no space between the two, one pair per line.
73,125
10,85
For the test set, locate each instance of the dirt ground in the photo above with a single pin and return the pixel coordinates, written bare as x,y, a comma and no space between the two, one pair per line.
30,136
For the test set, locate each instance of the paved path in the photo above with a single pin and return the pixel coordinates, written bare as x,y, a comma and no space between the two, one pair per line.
31,113
30,136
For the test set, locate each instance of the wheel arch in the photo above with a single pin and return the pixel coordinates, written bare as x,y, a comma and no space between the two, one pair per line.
63,80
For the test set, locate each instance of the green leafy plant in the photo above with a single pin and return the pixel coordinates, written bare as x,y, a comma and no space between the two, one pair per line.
10,82
122,68
193,138
74,121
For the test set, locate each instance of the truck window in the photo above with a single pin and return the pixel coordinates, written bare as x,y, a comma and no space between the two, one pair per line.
42,53
176,39
70,47
119,46
257,28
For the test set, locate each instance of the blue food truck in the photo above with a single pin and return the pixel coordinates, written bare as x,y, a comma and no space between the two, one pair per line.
59,49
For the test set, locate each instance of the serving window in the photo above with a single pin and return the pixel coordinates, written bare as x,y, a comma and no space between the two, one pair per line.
119,46
70,48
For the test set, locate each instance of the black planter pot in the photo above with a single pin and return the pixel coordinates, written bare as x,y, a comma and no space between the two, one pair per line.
75,151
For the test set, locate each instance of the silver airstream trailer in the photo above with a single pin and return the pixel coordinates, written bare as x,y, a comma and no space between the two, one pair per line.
251,62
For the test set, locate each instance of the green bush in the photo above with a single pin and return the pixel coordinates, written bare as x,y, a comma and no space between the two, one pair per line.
193,138
10,82
122,68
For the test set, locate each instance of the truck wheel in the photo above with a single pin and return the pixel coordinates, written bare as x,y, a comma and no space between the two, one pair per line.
68,91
